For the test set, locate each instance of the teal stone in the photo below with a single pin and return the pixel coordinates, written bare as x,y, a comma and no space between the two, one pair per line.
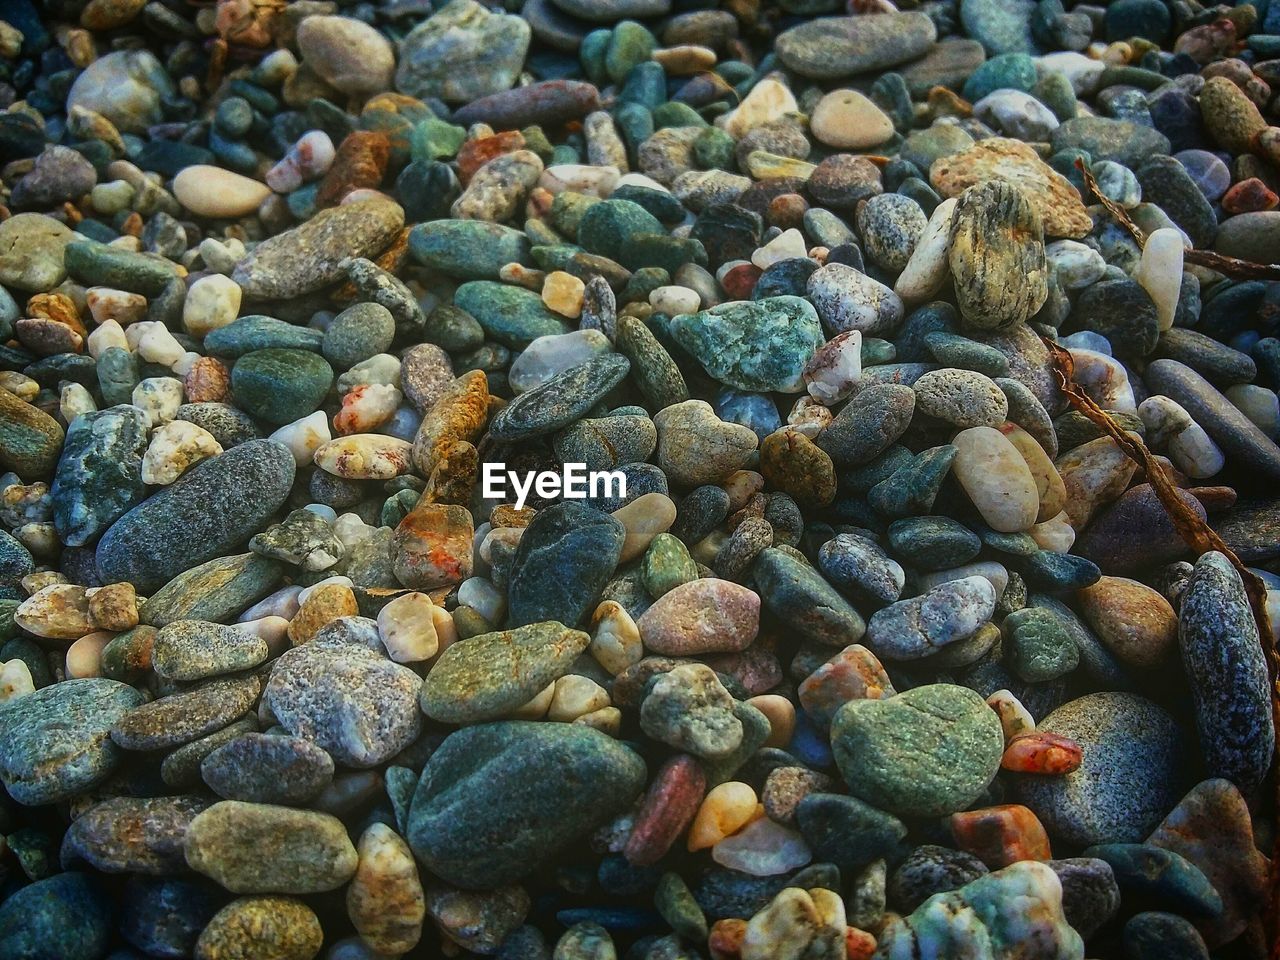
953,350
512,315
434,139
592,52
468,249
117,375
99,476
1038,646
847,832
646,85
913,487
564,559
1008,71
55,743
398,506
662,205
217,590
829,231
257,332
1146,872
565,398
452,329
933,543
280,386
358,333
608,227
606,442
64,917
1054,90
1059,572
212,508
635,124
798,595
1001,26
630,45
760,345
1149,19
99,265
568,209
666,565
876,351
558,782
1127,143
673,113
755,731
642,283
927,752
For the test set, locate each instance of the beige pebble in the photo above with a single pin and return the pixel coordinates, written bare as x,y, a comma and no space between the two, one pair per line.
644,518
615,638
176,447
1135,622
407,628
59,611
574,696
1053,495
365,456
848,120
1093,474
385,901
781,714
562,293
84,657
15,680
725,810
209,191
996,478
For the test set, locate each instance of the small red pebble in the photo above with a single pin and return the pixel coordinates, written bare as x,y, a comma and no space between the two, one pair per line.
1042,752
725,941
740,281
1249,196
668,808
858,944
999,836
476,153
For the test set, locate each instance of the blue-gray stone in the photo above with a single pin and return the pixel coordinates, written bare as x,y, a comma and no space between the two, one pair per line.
99,476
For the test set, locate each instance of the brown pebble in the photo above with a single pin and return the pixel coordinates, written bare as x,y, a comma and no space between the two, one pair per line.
325,605
360,163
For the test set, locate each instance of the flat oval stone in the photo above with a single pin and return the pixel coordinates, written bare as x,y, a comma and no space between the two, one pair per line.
558,402
512,315
226,499
914,628
132,835
829,48
182,717
55,743
30,439
556,781
798,595
99,475
492,675
468,249
280,386
267,768
702,616
194,649
220,194
67,916
996,478
280,927
217,590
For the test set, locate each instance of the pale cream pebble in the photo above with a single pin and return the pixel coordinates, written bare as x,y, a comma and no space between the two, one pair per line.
848,120
109,333
1104,379
212,303
674,300
1260,405
1094,474
781,714
84,657
996,478
175,448
127,242
381,368
1015,719
221,255
537,706
310,157
34,582
835,368
40,538
763,165
365,456
304,437
509,536
926,271
283,603
210,191
335,581
562,293
581,178
272,629
154,343
762,848
481,595
58,611
990,570
615,638
742,485
769,100
123,307
797,924
365,408
446,631
574,696
528,277
15,680
644,518
182,366
1052,493
725,810
73,400
385,900
685,60
1055,534
639,180
787,245
350,529
608,720
1170,428
809,417
159,398
19,384
407,629
1160,272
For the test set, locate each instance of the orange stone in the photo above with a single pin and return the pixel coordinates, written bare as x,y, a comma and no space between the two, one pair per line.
725,941
208,381
999,836
858,944
1042,752
476,153
360,164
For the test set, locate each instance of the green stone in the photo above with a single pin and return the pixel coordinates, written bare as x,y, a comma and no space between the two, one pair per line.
673,113
256,332
280,386
927,752
358,333
30,439
760,345
100,474
666,565
489,676
99,265
512,315
434,139
117,375
1008,71
568,209
798,595
468,249
653,370
453,329
630,44
1038,646
609,226
565,398
218,590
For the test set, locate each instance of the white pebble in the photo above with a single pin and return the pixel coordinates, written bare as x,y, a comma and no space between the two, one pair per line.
674,300
15,680
1160,272
212,303
1259,404
107,334
407,630
304,437
926,271
176,447
1170,426
785,246
159,398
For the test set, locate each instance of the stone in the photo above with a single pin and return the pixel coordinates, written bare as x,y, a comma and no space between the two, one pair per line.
559,780
565,557
1103,138
997,257
689,709
1134,621
265,768
1048,192
209,191
260,848
696,447
868,424
847,120
99,475
348,699
31,252
67,915
188,650
347,54
847,299
462,54
924,753
468,249
761,345
701,616
251,926
187,715
126,87
385,901
996,478
30,439
561,400
831,48
920,626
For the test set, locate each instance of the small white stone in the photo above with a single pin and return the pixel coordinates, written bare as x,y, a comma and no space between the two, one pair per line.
1171,428
365,456
15,680
673,300
40,538
1055,534
154,343
809,417
552,354
283,603
105,304
1016,114
1260,405
1086,340
1083,72
58,611
1104,379
274,630
994,573
107,334
536,708
75,399
640,180
212,303
1160,272
848,120
768,100
307,159
304,437
615,638
159,398
762,849
996,478
182,366
210,191
221,256
176,447
407,630
84,657
381,368
481,595
350,529
835,368
366,407
926,271
580,178
787,245
1075,264
575,696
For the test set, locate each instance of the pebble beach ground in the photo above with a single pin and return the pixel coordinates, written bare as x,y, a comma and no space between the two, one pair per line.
936,344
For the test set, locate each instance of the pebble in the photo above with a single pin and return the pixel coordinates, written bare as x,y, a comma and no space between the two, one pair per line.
285,926
701,616
842,46
209,191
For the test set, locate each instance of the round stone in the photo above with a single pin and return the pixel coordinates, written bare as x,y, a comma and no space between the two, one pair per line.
847,120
